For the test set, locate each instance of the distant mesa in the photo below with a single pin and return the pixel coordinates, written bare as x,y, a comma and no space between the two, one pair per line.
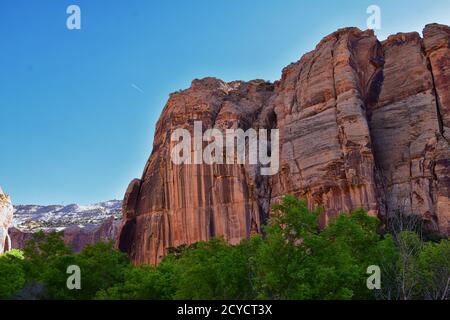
81,225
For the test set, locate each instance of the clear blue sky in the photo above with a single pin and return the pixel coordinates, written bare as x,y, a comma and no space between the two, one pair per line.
74,128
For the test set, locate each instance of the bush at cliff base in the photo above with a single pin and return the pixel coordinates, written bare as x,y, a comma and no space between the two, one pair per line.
12,275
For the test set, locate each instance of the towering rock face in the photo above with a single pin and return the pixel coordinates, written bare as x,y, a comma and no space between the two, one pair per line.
437,50
178,204
321,103
6,217
410,146
362,124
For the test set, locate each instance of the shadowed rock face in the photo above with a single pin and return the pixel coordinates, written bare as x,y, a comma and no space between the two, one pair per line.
362,124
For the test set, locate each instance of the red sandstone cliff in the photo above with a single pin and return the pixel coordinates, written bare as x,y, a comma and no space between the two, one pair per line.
362,123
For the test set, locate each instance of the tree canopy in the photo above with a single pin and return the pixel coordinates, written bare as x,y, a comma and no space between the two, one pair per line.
294,259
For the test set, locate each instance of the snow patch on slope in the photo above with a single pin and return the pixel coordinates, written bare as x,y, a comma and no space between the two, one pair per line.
34,217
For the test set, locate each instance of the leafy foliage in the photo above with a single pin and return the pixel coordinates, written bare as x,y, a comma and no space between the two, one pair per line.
300,261
12,275
294,259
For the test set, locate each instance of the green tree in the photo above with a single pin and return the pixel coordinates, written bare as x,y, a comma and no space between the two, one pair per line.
12,277
279,261
102,266
141,283
413,269
434,271
298,260
214,270
41,251
46,258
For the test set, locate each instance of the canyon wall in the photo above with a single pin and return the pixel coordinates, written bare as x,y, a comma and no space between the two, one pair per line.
363,124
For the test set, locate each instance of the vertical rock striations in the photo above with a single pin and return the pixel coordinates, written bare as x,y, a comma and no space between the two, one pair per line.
321,104
180,204
362,124
405,128
437,49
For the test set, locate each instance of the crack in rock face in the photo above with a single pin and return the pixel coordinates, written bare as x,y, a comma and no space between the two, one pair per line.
362,123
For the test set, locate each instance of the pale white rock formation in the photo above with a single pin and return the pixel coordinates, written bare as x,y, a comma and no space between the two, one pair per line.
6,218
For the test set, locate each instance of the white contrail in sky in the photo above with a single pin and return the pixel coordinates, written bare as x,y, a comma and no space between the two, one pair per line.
137,88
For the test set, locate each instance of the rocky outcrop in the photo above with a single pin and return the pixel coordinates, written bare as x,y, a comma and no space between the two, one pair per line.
19,238
362,123
79,237
75,236
6,217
